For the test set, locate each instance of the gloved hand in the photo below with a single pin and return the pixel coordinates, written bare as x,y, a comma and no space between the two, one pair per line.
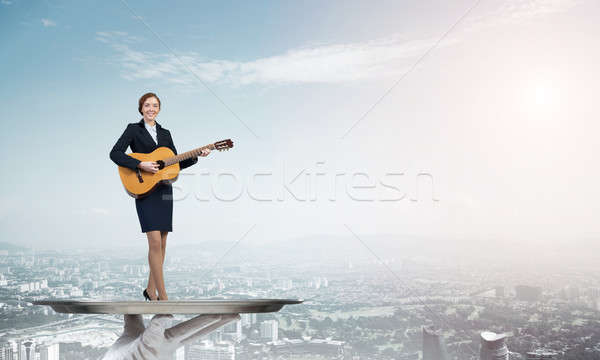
159,340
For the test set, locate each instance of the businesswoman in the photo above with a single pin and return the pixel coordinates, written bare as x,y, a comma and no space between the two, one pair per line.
155,211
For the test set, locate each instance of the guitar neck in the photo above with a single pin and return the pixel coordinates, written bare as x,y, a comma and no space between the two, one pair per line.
187,155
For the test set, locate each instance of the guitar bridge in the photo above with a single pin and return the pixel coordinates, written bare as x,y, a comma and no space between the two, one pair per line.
139,176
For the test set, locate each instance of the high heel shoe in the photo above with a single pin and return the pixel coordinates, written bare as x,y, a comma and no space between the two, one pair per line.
145,293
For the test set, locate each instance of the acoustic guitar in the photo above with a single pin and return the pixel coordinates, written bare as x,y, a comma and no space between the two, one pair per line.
140,183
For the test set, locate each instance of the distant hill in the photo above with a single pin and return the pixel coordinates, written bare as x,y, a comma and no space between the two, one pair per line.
375,248
316,249
11,247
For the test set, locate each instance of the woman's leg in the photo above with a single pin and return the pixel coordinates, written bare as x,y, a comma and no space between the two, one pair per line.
155,259
163,244
151,288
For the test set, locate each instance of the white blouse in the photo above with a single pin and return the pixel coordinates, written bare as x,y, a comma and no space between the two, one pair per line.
152,131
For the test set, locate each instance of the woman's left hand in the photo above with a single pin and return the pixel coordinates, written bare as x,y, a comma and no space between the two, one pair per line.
205,152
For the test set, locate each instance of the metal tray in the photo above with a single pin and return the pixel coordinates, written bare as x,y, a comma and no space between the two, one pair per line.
169,306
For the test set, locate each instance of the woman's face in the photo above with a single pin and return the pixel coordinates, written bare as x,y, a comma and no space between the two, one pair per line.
150,108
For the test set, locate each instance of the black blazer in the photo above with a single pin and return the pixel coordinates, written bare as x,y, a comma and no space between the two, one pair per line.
136,136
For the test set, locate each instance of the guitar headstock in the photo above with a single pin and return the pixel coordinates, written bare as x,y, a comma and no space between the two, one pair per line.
223,145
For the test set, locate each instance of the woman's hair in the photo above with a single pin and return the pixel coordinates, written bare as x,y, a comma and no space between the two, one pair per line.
143,99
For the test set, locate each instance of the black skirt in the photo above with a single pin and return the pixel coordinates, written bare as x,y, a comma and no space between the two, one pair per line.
155,211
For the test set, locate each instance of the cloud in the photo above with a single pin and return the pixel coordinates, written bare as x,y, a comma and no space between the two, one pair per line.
336,63
48,22
518,11
106,36
5,2
387,57
332,63
533,8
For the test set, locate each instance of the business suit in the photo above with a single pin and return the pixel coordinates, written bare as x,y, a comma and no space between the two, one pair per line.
155,211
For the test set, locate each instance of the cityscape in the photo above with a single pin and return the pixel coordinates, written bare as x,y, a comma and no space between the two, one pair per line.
394,307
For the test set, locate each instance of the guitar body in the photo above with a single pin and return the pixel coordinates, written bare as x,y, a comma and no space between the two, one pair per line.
138,183
141,183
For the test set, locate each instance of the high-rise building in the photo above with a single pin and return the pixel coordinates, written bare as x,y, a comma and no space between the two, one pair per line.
180,353
214,336
493,346
9,351
207,350
18,349
28,350
268,329
572,292
433,345
49,352
246,320
528,293
233,331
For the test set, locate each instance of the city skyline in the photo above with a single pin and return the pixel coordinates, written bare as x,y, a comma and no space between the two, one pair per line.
349,309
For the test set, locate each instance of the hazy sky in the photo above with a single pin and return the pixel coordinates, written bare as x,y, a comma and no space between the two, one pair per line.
500,116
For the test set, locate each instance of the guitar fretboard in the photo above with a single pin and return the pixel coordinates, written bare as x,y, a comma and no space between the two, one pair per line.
187,155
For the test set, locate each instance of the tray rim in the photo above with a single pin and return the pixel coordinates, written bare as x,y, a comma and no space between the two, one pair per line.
204,306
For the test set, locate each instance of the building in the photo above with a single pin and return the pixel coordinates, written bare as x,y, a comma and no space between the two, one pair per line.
541,354
572,292
297,348
208,350
302,323
246,320
9,351
433,345
493,346
528,293
268,329
233,331
49,352
180,353
27,350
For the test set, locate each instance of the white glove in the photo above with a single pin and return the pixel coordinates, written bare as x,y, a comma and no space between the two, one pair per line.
159,340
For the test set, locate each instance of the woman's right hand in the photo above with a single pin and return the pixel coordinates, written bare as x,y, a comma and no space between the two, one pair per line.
149,166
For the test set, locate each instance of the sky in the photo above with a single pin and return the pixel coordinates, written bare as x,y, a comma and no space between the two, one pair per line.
454,120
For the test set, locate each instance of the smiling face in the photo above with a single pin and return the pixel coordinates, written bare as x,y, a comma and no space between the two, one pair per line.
150,109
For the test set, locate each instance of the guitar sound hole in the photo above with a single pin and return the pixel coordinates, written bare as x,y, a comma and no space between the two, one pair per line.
161,164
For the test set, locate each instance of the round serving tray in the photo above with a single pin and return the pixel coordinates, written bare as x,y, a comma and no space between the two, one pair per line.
169,306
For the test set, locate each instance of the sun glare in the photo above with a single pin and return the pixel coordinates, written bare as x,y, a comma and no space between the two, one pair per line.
542,96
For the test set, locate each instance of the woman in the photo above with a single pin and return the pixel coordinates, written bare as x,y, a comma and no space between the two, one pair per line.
155,211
